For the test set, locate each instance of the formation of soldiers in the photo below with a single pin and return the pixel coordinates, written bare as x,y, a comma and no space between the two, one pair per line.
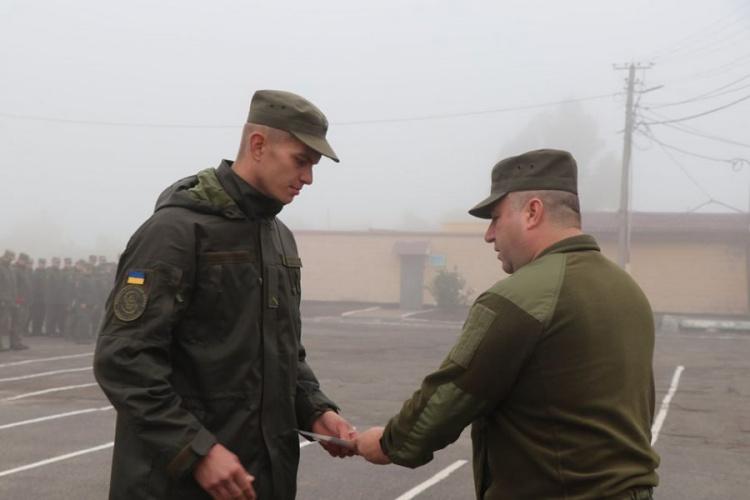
59,300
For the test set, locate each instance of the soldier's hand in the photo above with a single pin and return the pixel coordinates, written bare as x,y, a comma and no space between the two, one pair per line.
222,475
367,444
332,424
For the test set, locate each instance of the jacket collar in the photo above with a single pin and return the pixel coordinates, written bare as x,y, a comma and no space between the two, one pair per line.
578,243
250,201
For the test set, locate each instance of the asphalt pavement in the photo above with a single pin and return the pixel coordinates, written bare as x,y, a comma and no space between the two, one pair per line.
56,427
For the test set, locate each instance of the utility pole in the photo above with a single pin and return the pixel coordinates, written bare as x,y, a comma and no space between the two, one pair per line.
623,214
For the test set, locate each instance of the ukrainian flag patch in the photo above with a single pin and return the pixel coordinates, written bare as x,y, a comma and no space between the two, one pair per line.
136,278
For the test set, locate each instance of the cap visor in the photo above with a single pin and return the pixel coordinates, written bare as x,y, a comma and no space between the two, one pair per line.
483,209
316,143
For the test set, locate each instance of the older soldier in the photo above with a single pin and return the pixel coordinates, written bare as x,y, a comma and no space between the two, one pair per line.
7,298
200,349
554,364
20,315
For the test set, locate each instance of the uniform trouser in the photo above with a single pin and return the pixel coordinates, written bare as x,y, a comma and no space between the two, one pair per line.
54,321
5,312
37,318
19,324
97,315
79,324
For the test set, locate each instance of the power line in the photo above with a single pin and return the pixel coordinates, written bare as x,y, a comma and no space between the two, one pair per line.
700,114
735,162
694,131
711,199
474,113
359,122
730,66
706,95
724,22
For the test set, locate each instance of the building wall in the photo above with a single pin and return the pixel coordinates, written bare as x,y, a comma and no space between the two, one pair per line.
679,275
708,277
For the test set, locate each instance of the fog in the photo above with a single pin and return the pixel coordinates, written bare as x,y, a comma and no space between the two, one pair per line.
104,104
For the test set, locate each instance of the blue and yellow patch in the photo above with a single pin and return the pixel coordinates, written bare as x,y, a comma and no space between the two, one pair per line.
136,278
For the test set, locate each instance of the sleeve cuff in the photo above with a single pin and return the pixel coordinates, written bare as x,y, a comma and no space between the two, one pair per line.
186,459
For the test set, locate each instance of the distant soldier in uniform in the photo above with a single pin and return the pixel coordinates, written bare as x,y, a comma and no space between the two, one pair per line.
83,298
553,368
20,316
102,286
7,298
38,303
67,284
53,298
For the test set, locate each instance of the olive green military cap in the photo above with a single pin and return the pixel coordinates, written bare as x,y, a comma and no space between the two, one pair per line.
294,114
542,169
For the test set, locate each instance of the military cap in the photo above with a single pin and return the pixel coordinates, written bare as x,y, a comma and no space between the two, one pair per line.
23,256
542,169
56,259
9,254
294,114
41,260
68,260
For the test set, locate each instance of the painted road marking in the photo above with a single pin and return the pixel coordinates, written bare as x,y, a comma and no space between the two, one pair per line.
41,360
412,313
56,459
432,481
67,456
54,417
357,311
662,416
47,391
45,374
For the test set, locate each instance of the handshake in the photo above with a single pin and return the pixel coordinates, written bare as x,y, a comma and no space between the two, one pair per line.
341,440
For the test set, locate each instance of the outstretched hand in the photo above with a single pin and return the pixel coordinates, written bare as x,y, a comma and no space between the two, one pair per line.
332,424
367,444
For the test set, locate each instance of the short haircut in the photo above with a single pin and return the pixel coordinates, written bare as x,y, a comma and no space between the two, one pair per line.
562,207
273,135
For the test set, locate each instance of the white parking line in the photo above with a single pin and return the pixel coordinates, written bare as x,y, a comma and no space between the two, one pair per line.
662,416
410,314
56,459
44,374
356,311
432,481
54,417
41,360
47,391
72,455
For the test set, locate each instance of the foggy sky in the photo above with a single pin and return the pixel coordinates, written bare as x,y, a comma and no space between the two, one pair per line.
103,104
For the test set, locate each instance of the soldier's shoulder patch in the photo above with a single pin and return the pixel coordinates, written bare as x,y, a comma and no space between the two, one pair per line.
130,302
479,321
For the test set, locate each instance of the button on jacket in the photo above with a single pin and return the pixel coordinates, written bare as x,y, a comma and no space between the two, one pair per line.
201,342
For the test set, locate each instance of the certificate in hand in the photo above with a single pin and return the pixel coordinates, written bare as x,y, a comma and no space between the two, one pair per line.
328,439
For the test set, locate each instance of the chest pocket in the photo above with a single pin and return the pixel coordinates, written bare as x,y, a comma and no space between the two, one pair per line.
293,266
223,284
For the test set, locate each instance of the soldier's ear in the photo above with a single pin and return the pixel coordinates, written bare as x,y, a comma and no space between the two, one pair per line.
257,144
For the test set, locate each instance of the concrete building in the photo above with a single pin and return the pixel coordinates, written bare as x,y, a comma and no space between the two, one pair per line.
689,264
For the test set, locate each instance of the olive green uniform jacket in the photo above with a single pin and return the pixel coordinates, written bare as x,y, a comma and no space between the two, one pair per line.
554,369
207,348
